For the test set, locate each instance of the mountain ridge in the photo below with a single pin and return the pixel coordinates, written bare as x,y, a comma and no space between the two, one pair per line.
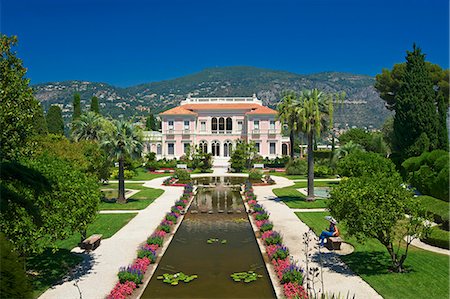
362,108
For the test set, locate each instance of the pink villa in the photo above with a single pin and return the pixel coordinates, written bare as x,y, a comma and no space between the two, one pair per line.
215,124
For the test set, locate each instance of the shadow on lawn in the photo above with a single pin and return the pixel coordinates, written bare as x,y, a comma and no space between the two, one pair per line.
51,268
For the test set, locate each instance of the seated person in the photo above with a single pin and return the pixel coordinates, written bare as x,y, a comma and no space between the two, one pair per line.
332,230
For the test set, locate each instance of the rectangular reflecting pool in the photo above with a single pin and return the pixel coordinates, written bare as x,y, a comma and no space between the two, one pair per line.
216,213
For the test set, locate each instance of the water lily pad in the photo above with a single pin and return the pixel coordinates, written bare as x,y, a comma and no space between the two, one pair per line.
224,242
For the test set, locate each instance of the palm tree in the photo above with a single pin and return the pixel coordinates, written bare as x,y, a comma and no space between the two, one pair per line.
344,150
125,140
314,110
287,115
89,126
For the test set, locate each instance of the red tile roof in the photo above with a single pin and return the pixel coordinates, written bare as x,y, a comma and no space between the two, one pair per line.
262,110
178,111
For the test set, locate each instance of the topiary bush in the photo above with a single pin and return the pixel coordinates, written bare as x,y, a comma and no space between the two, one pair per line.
182,175
359,164
255,175
296,167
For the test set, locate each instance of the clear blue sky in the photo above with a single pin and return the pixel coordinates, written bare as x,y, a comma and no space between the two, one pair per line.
130,42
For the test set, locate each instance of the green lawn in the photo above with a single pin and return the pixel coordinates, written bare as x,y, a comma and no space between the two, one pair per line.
291,177
438,237
139,201
52,266
296,200
142,174
428,272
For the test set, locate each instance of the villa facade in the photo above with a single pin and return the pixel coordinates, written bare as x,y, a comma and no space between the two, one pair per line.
215,125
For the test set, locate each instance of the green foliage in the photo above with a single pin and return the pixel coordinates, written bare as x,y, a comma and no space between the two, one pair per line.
39,122
245,276
416,120
243,156
14,282
156,240
255,175
273,240
134,276
90,126
360,164
438,237
200,160
151,124
55,121
127,174
50,200
296,166
429,173
76,106
375,207
17,104
369,141
174,279
94,105
146,253
182,175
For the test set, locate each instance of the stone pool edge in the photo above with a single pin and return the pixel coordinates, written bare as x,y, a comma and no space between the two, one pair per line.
152,267
278,288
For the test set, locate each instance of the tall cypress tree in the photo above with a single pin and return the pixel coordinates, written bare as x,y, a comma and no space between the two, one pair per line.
94,105
415,109
40,124
150,123
55,121
76,106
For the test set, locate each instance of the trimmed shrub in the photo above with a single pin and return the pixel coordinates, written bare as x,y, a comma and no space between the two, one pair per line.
265,227
296,167
255,175
128,174
182,175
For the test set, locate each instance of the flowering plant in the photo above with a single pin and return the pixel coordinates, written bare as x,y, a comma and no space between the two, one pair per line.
260,223
166,222
271,249
130,274
158,240
172,217
141,264
164,227
280,254
275,238
266,226
122,290
152,247
293,273
148,254
252,203
267,234
280,266
294,291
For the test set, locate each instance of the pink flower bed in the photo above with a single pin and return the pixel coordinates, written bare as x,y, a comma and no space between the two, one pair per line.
252,202
280,266
260,223
271,249
294,291
122,290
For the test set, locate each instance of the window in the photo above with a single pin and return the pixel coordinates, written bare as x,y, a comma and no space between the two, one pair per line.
257,147
186,147
171,148
229,124
272,125
186,125
256,124
203,126
221,124
239,126
272,148
203,146
158,149
214,124
170,124
215,148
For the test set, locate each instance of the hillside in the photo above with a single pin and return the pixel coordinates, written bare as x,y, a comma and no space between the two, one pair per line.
362,107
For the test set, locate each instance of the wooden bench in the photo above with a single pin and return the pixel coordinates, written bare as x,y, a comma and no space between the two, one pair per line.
261,166
91,243
182,166
334,243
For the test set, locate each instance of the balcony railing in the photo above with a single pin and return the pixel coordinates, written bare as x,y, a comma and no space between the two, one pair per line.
256,131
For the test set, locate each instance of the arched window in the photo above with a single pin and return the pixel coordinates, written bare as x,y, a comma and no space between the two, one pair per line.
227,147
284,149
221,124
158,149
229,124
214,124
215,148
203,146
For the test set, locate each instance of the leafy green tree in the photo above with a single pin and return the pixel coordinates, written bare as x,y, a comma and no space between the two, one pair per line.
61,200
314,112
17,104
243,155
359,163
200,160
94,105
413,90
76,106
125,140
40,124
287,116
55,121
14,282
151,123
375,207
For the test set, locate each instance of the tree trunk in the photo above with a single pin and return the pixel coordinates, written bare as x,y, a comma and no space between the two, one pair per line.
301,147
291,144
397,266
310,196
121,195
